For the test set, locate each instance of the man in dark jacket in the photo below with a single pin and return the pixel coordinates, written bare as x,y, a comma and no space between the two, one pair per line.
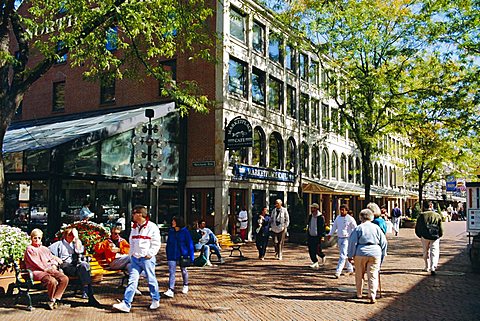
315,232
429,229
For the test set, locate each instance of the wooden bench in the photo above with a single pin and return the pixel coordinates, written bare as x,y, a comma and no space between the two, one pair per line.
24,278
225,240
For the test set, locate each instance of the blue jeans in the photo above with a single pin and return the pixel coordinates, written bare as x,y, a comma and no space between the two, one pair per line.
172,268
343,249
139,265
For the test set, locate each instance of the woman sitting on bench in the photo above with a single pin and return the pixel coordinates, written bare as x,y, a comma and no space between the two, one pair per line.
44,266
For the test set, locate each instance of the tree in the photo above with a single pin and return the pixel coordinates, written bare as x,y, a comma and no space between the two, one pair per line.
108,38
384,55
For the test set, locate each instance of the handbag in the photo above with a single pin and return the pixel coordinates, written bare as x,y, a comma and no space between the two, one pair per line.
185,261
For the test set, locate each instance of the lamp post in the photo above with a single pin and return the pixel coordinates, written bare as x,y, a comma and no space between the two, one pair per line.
148,166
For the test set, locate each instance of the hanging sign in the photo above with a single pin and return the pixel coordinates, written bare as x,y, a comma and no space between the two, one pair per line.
238,134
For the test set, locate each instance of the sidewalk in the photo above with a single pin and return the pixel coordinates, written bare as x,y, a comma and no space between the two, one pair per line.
250,289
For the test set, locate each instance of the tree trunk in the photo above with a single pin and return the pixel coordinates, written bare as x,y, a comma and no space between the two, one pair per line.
367,171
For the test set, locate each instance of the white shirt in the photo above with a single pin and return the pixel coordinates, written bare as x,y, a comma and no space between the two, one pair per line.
145,240
344,225
243,218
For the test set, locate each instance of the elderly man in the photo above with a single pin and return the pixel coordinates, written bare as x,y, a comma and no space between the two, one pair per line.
429,229
68,249
280,219
144,246
315,230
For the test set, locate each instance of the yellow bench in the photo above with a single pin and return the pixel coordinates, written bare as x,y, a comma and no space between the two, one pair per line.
225,240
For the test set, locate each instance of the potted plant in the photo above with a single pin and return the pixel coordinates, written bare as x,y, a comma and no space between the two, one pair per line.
13,243
90,233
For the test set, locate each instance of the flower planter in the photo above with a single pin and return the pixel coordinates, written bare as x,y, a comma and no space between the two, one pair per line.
409,224
7,280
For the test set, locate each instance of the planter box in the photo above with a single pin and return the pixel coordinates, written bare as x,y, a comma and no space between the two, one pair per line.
409,224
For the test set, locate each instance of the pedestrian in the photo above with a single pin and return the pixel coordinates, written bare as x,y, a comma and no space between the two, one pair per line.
344,225
243,220
45,268
280,219
377,216
70,250
429,229
85,213
114,250
367,247
396,218
263,232
315,232
179,251
144,246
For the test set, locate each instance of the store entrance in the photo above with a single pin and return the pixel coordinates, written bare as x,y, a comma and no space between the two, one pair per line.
201,205
237,200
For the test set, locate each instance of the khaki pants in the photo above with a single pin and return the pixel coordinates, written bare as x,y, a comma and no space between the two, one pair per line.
371,265
278,240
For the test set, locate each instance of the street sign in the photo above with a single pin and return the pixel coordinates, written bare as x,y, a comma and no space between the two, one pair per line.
204,164
473,207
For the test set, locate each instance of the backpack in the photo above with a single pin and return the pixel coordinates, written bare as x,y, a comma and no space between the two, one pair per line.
200,261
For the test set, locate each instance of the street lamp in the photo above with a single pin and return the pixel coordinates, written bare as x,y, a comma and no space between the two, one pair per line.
148,166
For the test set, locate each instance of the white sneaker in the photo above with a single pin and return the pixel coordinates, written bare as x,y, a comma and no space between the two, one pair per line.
138,292
324,259
155,305
185,289
122,306
169,293
208,263
314,265
337,275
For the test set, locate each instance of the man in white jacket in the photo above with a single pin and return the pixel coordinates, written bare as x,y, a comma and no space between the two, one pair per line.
144,245
344,224
280,219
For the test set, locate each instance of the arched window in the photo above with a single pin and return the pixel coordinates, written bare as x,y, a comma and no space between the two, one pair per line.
380,174
325,163
343,167
304,154
351,169
358,174
315,161
375,174
394,178
385,177
291,164
334,165
275,146
259,147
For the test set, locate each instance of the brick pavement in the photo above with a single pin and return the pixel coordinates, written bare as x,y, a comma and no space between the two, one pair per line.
289,290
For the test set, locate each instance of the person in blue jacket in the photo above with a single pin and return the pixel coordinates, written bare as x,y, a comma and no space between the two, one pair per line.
179,244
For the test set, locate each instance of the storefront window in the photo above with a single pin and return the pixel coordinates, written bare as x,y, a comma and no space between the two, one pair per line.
74,193
84,160
116,154
13,162
37,160
259,147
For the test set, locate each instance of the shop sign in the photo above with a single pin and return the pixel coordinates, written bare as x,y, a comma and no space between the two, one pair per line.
451,183
246,172
238,134
473,207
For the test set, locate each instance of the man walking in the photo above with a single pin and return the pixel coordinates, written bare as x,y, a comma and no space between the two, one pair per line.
344,225
144,245
396,217
429,229
315,230
279,224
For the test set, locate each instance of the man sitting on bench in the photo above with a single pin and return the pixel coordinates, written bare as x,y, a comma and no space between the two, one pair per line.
208,241
115,250
68,249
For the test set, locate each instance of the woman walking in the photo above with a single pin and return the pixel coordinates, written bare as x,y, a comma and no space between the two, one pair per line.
263,233
179,251
367,247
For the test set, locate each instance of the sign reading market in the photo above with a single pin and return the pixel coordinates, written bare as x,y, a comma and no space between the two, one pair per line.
238,134
246,172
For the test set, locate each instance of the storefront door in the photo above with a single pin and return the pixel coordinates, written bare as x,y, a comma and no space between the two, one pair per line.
237,201
201,205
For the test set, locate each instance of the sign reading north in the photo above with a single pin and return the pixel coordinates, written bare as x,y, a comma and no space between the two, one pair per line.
238,134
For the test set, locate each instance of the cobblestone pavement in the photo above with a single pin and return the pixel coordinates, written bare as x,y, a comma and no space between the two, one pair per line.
250,289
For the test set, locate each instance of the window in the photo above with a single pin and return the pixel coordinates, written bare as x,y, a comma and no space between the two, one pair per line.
325,118
107,91
237,77
343,167
334,121
111,39
315,113
304,114
343,125
258,86
358,173
259,148
291,155
275,99
334,165
305,155
314,72
290,58
351,168
291,102
169,68
274,48
237,24
302,66
58,103
315,162
63,58
325,163
258,37
275,146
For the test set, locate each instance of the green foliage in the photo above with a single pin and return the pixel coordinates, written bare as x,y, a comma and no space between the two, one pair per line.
89,233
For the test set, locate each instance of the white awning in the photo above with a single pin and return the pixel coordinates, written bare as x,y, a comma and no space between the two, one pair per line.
45,136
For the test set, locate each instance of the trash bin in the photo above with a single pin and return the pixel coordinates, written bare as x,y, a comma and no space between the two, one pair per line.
475,253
